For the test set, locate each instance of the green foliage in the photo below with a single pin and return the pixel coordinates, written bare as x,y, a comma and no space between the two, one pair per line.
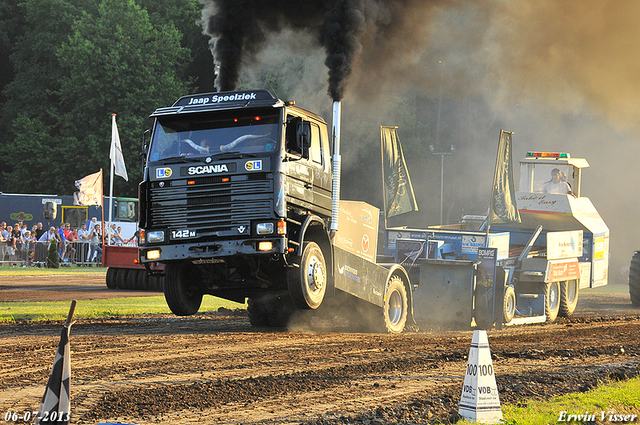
76,63
53,259
11,27
117,62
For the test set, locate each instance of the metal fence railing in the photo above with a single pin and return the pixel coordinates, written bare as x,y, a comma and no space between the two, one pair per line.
34,254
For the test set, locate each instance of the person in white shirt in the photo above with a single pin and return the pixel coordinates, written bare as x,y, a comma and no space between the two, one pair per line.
557,185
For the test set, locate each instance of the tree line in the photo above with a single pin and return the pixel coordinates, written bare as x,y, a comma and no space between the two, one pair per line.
67,65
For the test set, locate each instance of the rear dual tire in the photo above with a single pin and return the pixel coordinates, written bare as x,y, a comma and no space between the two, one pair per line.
270,310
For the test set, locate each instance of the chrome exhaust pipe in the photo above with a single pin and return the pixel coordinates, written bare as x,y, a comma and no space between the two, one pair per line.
336,166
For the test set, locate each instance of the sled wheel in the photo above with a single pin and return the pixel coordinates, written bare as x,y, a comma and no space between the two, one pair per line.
568,297
132,279
395,305
308,283
121,278
551,293
509,306
143,281
111,278
183,295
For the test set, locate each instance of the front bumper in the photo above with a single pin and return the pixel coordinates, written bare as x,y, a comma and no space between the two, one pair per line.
211,250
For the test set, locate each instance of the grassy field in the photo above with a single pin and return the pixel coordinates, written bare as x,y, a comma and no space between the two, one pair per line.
596,406
35,271
87,309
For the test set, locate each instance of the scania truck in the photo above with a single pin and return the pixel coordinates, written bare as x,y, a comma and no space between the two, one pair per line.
241,200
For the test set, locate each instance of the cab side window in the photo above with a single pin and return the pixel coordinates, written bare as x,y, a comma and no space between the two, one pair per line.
315,151
291,141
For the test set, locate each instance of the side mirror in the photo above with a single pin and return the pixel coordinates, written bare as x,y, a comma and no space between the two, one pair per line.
303,134
146,138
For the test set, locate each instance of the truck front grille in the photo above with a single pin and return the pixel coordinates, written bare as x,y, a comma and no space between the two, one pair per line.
210,205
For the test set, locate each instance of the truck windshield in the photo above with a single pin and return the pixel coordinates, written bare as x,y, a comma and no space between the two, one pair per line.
205,134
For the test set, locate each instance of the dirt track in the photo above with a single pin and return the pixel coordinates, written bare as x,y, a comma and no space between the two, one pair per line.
215,368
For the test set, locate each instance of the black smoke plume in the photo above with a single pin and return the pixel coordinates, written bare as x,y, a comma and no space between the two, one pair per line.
343,26
239,28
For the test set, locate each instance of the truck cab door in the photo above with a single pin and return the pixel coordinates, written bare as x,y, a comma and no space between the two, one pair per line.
308,177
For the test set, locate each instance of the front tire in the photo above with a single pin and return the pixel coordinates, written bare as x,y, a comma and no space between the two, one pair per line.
395,306
568,297
634,279
181,292
308,283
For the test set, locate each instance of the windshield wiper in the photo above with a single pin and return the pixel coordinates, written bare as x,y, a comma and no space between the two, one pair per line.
180,159
233,155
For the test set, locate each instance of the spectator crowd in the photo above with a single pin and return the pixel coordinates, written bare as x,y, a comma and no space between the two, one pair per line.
20,246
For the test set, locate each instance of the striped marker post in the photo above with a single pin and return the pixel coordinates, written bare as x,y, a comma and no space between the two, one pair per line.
480,401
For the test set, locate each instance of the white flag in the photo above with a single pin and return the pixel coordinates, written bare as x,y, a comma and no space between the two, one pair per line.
117,159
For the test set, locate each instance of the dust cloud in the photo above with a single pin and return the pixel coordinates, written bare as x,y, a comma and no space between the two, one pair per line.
562,76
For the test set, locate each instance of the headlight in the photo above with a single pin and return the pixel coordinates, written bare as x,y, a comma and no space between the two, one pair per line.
264,228
154,254
265,246
155,236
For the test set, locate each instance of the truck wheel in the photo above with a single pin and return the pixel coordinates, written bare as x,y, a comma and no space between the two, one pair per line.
568,297
111,278
551,293
308,283
182,296
634,279
258,312
509,306
395,306
120,278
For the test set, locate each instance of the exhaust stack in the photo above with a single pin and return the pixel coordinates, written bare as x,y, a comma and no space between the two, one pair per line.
336,166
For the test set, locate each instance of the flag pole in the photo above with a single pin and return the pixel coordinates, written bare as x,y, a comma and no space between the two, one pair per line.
384,194
102,209
72,310
112,168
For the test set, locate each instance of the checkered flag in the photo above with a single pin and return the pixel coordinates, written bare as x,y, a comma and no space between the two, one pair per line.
56,406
